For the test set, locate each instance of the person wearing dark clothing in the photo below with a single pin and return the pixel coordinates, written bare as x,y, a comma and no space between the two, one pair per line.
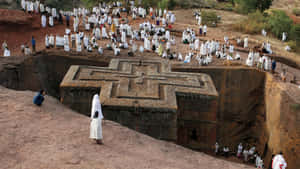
273,66
39,98
60,18
33,44
68,20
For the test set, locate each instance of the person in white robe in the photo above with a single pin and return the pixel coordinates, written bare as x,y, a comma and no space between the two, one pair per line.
173,18
263,32
268,48
75,24
168,46
284,36
96,120
42,8
53,12
87,27
196,46
167,35
188,58
246,42
180,57
217,148
204,30
228,57
164,55
287,48
66,43
259,162
123,37
78,43
141,49
160,13
6,52
209,58
47,41
199,20
147,44
116,51
252,151
51,22
250,58
239,151
237,56
279,162
231,50
44,21
23,4
134,47
100,50
86,42
27,51
202,49
98,33
163,21
31,7
104,33
245,154
51,41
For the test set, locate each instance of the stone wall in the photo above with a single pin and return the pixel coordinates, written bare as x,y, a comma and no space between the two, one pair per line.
44,71
282,129
240,102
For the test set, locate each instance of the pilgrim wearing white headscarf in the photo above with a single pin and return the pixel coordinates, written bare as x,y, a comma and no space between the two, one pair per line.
279,162
96,120
44,21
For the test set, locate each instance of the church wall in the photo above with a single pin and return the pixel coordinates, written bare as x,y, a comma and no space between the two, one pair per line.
197,122
240,102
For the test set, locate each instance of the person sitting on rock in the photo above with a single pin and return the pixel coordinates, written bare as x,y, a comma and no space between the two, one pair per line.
39,98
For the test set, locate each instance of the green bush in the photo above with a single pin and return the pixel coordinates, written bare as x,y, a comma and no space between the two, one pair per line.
172,4
209,18
296,11
253,24
279,22
163,4
225,6
295,34
248,6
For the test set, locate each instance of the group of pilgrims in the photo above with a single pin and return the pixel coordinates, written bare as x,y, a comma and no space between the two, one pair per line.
105,22
251,155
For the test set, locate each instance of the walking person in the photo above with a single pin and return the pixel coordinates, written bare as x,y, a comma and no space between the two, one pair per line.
96,120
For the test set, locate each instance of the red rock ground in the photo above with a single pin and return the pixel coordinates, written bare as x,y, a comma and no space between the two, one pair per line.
17,28
53,136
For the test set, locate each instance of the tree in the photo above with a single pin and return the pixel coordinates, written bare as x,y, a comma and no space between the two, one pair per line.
61,4
91,3
279,22
264,4
246,6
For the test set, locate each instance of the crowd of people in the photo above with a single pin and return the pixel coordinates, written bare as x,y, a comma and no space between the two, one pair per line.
105,22
247,154
250,155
